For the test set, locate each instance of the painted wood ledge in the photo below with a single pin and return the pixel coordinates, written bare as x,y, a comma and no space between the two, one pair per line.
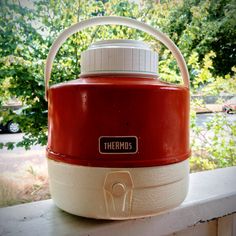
211,197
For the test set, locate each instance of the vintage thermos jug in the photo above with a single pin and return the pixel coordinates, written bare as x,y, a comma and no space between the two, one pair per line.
118,138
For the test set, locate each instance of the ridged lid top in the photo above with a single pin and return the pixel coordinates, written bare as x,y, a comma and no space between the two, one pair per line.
119,57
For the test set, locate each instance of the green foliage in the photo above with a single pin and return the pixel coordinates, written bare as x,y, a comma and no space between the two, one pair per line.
203,30
204,26
213,145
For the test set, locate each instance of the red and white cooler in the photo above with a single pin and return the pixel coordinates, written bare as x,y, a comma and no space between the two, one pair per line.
118,138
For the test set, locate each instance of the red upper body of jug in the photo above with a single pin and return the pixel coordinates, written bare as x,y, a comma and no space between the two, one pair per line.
118,113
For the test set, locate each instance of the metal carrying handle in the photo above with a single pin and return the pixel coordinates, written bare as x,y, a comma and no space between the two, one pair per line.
107,20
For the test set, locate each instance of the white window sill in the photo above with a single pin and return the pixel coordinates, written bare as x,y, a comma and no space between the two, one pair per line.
212,195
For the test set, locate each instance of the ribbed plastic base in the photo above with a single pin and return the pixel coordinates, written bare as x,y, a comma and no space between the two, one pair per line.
117,193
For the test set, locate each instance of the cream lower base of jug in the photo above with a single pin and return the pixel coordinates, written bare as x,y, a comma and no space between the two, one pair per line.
117,193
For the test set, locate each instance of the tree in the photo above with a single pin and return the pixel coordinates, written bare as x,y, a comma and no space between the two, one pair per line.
203,26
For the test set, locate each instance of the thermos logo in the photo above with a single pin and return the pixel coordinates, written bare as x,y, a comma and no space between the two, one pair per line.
118,144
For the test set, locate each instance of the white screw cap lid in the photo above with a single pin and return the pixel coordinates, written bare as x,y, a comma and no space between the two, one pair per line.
119,57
